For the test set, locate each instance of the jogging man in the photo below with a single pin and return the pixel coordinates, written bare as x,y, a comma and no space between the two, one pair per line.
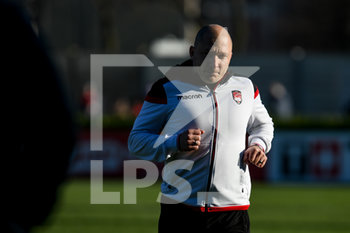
209,124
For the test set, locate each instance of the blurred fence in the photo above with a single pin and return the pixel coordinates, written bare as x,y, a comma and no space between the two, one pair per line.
310,156
307,156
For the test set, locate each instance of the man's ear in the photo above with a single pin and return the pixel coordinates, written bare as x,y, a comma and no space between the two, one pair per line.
191,51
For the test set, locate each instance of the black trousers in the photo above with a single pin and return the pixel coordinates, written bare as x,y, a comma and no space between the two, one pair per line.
180,218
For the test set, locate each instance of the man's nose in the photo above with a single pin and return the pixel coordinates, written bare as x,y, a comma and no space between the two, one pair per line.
213,60
216,60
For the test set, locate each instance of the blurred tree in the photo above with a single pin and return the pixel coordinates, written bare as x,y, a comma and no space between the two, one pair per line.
316,25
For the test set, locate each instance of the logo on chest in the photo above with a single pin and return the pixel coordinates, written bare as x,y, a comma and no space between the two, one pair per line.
237,96
189,97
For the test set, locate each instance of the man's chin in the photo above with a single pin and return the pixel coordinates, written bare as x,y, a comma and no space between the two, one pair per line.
211,79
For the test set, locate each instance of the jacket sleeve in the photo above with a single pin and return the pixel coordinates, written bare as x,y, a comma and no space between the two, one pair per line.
145,140
260,126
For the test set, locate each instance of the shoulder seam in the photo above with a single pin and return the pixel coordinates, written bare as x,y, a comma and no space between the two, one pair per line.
157,93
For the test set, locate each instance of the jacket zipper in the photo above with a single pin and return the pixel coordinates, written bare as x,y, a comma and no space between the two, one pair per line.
211,162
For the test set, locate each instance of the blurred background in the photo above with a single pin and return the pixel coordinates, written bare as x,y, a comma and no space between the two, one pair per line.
301,47
303,51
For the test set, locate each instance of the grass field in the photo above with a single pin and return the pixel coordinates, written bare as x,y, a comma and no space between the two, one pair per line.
274,208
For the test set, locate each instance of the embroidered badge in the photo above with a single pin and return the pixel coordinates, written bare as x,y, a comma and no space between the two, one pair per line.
237,96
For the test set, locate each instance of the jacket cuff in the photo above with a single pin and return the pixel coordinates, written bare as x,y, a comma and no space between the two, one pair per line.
259,142
171,144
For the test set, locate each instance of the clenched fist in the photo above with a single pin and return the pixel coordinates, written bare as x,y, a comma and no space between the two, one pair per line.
255,155
190,139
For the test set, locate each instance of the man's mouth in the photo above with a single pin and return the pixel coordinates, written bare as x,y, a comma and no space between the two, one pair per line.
212,73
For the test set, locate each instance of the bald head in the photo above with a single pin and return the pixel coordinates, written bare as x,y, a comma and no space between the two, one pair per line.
211,53
209,34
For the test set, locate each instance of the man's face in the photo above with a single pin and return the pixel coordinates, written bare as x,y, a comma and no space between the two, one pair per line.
212,59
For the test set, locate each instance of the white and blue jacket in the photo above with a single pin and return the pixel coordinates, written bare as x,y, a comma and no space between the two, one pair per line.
214,177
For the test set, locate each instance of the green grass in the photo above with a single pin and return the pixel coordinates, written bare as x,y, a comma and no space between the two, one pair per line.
300,209
274,208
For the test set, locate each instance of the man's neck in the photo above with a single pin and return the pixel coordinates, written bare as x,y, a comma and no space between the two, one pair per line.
212,85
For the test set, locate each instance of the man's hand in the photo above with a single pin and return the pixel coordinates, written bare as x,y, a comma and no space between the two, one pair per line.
190,139
255,155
